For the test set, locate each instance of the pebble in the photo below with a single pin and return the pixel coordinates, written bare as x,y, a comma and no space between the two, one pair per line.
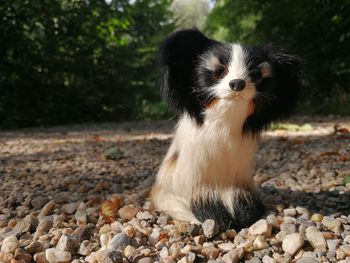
331,223
5,257
69,209
260,243
54,255
45,224
146,215
210,252
119,242
128,212
292,243
346,249
39,202
40,257
109,256
268,259
34,247
261,227
210,228
145,260
226,246
86,247
289,212
10,244
68,243
47,209
316,238
233,256
22,255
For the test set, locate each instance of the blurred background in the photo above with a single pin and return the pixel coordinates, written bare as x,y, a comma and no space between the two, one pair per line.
73,61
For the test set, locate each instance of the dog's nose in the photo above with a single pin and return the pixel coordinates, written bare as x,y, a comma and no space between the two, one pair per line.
237,84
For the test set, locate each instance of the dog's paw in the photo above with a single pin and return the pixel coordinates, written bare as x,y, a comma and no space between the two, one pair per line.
243,210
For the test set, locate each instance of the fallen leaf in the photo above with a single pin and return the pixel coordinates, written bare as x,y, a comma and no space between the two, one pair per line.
329,154
113,154
109,209
346,179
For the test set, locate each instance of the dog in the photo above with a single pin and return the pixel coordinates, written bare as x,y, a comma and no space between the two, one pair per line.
226,95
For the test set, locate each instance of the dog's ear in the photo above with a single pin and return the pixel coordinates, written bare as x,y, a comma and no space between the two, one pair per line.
179,57
287,75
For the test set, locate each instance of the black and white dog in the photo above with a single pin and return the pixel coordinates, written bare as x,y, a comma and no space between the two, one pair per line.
226,95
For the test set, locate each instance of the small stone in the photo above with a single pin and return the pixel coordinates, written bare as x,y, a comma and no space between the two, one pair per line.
86,247
145,260
226,246
331,223
10,244
316,238
146,215
5,257
45,224
233,256
47,209
210,252
292,243
272,220
129,251
199,239
162,221
231,233
307,260
84,232
289,212
210,228
39,202
119,242
340,254
81,217
346,249
154,237
260,243
40,258
69,209
317,218
109,256
347,239
268,259
54,255
20,254
34,247
261,227
33,221
288,228
128,212
68,243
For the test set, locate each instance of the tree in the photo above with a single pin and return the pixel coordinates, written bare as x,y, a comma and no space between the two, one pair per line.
67,61
190,13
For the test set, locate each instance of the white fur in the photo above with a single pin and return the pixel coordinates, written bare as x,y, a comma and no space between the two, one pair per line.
214,157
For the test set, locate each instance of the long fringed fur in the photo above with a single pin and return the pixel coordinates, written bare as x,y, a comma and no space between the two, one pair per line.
207,172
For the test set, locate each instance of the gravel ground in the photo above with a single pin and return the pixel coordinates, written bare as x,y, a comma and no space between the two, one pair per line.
79,194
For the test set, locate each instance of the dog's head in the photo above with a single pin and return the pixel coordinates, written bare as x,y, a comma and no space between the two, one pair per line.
197,72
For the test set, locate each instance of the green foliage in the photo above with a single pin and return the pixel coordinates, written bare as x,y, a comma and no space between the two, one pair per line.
72,61
317,30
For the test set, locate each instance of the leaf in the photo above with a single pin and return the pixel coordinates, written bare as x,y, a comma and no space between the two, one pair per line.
109,209
113,154
346,179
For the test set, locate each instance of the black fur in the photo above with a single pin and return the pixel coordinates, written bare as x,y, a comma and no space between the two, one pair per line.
278,92
185,82
248,209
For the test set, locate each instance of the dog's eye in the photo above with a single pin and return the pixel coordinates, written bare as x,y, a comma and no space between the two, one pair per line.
219,72
256,76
